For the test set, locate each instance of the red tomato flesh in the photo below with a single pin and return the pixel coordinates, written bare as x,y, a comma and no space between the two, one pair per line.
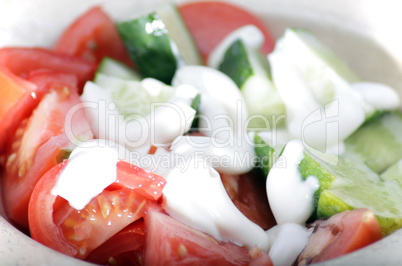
248,193
18,98
341,234
93,36
124,248
27,160
22,61
210,22
147,184
54,223
170,242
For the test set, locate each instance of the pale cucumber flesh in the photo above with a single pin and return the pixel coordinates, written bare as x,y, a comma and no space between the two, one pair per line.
178,32
346,185
378,143
111,67
130,97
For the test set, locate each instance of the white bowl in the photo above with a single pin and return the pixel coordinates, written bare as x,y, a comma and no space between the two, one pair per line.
366,34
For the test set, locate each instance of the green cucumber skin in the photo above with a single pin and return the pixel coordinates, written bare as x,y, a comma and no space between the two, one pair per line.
330,203
238,70
334,174
195,104
309,166
265,153
350,185
149,46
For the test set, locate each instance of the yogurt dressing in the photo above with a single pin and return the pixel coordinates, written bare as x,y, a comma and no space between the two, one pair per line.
197,197
220,88
307,119
290,198
91,168
377,95
290,240
223,117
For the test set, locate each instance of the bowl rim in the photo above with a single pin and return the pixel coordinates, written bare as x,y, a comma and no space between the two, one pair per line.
364,18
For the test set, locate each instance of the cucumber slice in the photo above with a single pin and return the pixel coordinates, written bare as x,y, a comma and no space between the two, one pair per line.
266,154
239,57
135,97
347,185
342,185
268,148
314,85
378,143
179,33
159,43
150,47
316,63
112,67
393,173
309,47
236,63
195,104
382,198
329,168
135,129
371,93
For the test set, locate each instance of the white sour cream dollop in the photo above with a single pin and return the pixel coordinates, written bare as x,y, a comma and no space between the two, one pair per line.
90,169
291,198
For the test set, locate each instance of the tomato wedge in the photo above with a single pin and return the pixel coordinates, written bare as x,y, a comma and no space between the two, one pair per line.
93,36
170,242
248,193
18,98
54,223
21,61
35,147
342,233
210,21
45,79
124,248
252,198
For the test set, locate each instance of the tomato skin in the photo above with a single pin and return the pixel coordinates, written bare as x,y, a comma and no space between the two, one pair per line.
39,141
22,61
93,36
124,248
45,79
170,242
211,21
17,199
341,234
78,232
259,257
18,98
41,210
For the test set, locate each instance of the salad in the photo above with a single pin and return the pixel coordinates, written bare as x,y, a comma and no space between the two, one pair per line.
158,139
